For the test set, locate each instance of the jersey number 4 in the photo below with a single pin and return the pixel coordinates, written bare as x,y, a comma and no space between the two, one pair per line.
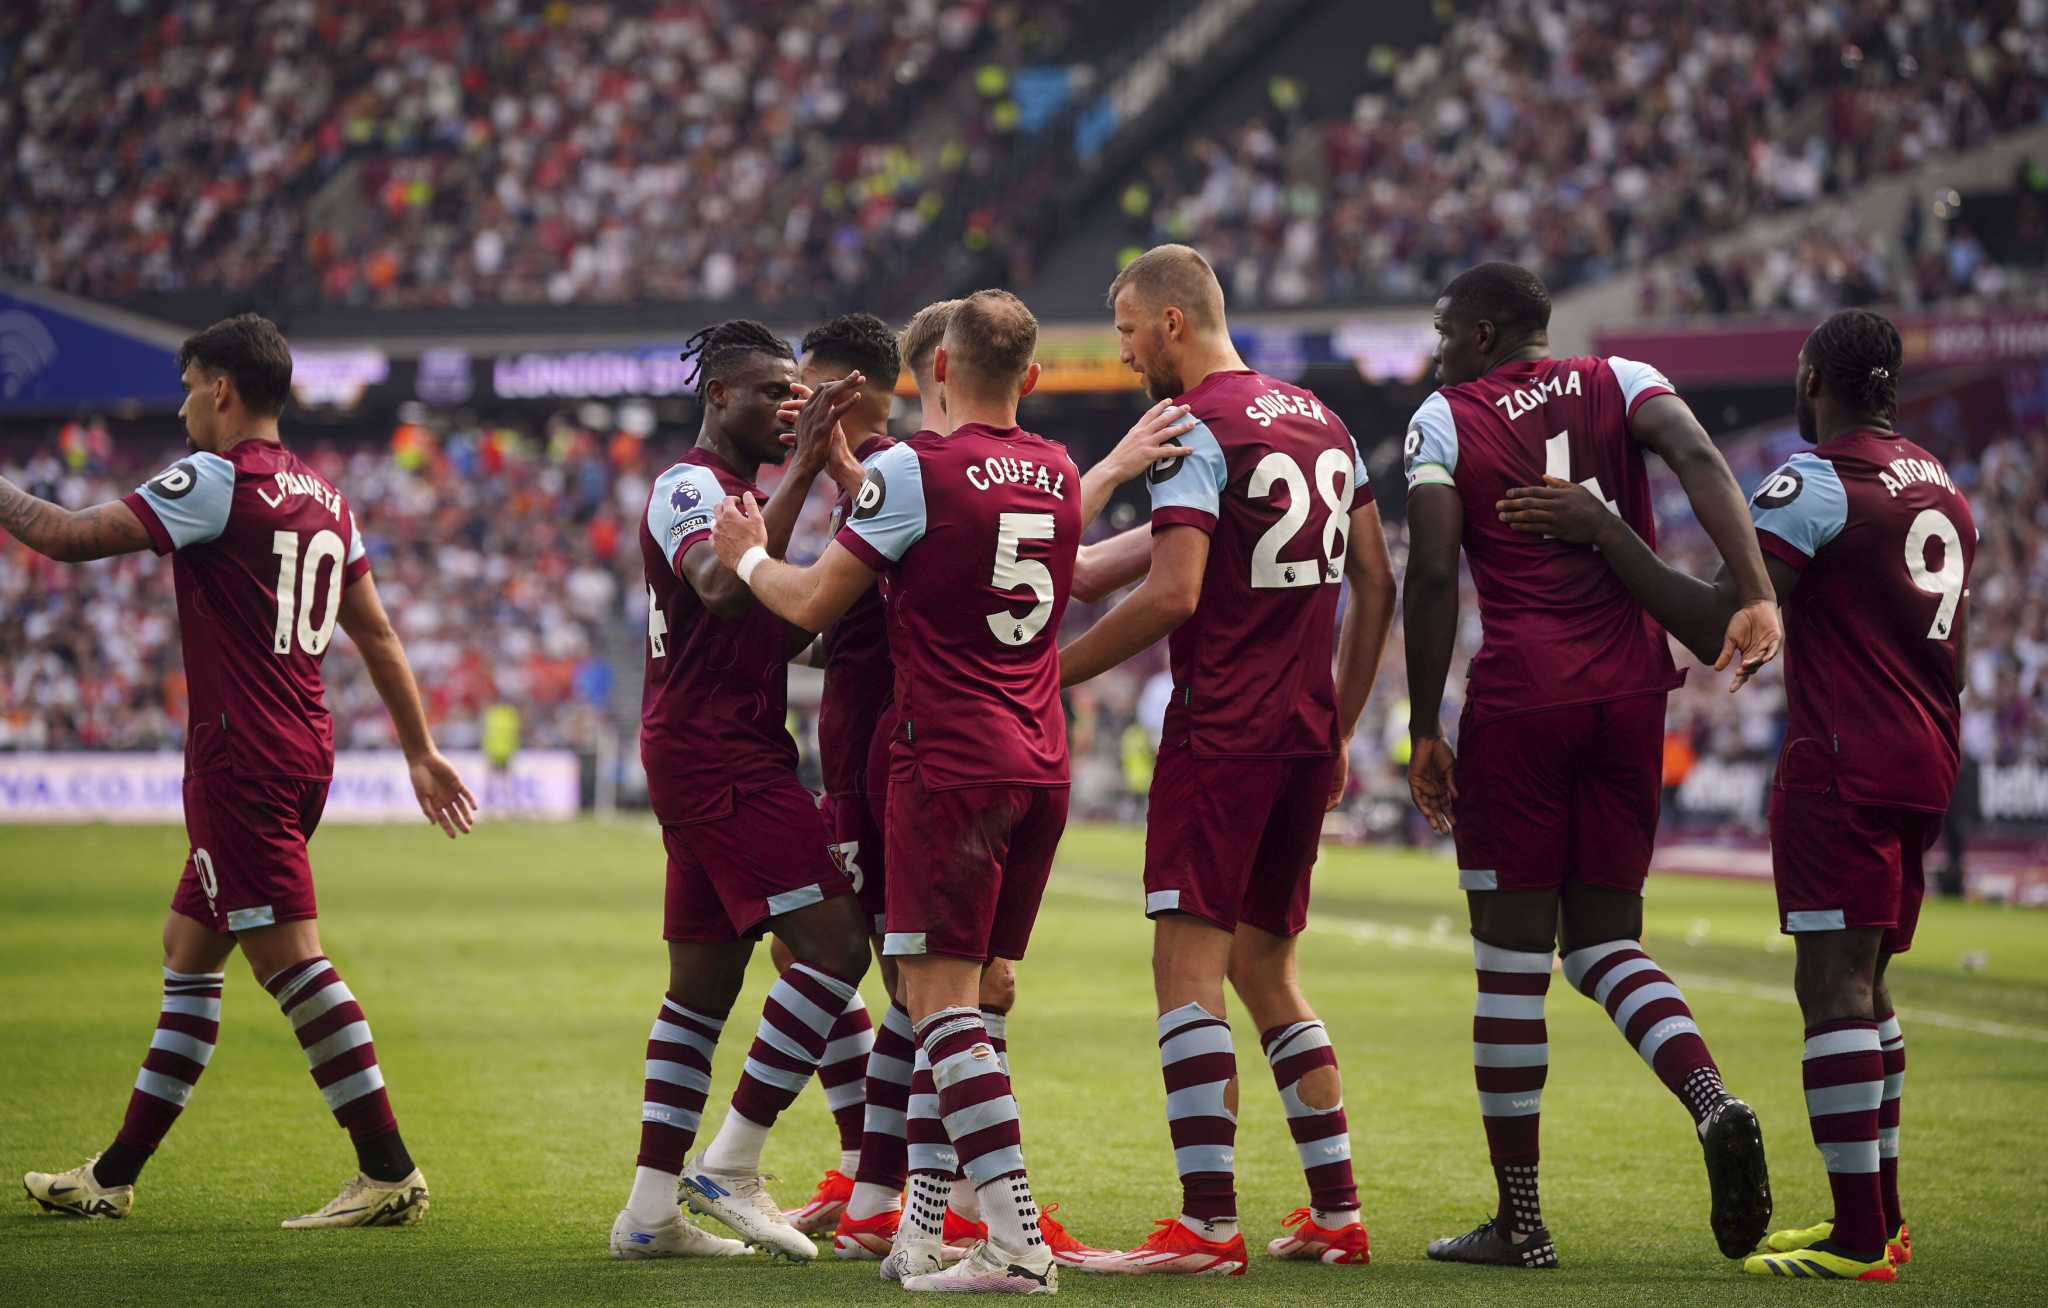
1333,482
298,591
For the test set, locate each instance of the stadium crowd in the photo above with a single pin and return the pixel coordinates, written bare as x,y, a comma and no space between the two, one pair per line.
438,153
1581,137
510,560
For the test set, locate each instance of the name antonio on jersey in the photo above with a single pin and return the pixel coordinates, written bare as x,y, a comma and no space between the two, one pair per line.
1905,472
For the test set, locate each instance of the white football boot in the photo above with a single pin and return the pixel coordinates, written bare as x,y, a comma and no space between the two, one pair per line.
76,1194
990,1269
364,1202
675,1238
741,1201
909,1257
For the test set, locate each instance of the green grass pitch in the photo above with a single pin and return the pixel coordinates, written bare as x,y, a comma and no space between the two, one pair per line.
511,977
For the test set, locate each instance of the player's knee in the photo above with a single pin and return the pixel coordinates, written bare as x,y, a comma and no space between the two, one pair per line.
1321,1089
999,986
845,959
1832,989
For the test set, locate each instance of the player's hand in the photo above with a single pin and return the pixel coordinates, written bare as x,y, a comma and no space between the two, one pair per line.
737,528
844,470
1432,781
1561,509
785,413
443,798
817,422
1755,634
1340,777
1151,440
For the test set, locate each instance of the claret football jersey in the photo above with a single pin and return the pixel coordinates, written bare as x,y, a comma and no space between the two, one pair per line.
1557,626
261,549
1883,543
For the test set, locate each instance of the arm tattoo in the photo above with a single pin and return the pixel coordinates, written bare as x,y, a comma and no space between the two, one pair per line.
68,537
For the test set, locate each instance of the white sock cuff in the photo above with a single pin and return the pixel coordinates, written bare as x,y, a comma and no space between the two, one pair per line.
1580,961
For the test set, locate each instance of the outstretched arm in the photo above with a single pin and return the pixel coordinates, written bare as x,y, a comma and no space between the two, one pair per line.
812,598
1180,555
1108,566
1709,617
1149,440
442,796
67,535
1666,424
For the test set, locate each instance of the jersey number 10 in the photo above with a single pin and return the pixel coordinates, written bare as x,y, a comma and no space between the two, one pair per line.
298,590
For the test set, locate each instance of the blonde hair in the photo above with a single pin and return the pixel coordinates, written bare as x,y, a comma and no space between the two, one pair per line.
1174,276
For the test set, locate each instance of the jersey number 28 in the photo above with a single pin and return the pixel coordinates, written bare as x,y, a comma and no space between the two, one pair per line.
1333,482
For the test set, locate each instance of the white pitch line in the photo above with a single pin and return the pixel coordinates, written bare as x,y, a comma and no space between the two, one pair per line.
1366,931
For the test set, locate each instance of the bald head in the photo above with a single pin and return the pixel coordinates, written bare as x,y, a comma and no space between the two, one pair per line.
990,343
1173,277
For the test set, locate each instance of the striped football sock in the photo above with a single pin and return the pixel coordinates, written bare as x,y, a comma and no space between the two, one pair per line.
1511,1061
1843,1071
1200,1065
336,1038
187,1027
980,1118
842,1075
1652,1016
1321,1135
788,1046
929,1153
1892,1043
884,1164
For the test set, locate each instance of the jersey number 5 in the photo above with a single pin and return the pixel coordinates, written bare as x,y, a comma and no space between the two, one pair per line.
1013,573
1333,483
1947,581
298,591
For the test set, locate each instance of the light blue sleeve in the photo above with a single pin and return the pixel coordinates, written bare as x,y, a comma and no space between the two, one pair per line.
889,511
191,498
356,549
1802,504
680,510
1638,381
1193,482
1429,456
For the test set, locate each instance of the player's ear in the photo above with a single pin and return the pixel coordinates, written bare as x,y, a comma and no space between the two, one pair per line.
1030,380
1176,323
715,393
939,364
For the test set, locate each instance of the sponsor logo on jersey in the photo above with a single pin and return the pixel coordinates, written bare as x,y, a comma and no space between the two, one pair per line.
176,481
873,493
1165,468
1779,489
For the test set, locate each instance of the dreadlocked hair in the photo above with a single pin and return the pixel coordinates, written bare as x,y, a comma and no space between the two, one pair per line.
717,349
1857,355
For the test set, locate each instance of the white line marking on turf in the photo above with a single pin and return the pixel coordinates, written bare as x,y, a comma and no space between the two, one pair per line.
1366,931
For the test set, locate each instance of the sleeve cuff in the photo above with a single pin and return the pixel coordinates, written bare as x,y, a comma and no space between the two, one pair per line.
356,571
1782,550
857,545
159,539
1200,521
1361,495
1645,395
675,556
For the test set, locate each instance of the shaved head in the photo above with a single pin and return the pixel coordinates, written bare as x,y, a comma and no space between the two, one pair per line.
991,339
1173,276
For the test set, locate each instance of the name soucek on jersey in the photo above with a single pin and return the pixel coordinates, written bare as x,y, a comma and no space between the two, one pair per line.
261,548
1883,543
975,533
1272,477
1557,627
715,701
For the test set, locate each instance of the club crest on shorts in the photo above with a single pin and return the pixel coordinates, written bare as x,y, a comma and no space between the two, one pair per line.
873,493
1779,489
176,481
